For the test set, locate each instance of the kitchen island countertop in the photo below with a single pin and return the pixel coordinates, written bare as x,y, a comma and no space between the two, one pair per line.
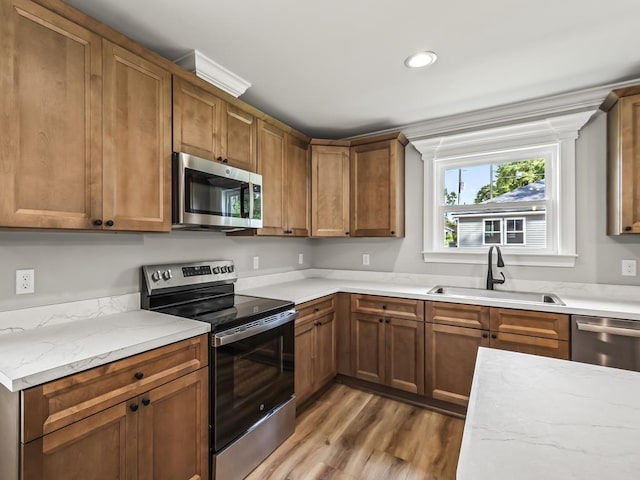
533,418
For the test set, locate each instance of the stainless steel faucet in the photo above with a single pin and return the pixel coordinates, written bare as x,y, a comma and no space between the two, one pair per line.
490,280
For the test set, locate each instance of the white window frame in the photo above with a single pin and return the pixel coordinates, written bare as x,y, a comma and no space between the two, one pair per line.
555,134
484,232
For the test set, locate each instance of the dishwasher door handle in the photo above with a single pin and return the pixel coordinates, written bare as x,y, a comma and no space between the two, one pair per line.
623,332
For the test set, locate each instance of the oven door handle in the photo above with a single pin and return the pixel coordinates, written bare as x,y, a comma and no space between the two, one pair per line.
235,334
620,331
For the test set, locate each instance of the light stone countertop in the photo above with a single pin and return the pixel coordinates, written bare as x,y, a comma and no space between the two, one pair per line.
304,290
38,355
533,418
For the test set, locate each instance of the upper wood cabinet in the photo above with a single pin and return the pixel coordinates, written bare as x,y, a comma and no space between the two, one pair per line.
51,142
623,134
377,188
283,162
206,126
136,162
358,187
330,191
86,128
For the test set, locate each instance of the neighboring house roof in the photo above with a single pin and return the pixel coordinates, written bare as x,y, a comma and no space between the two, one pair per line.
532,191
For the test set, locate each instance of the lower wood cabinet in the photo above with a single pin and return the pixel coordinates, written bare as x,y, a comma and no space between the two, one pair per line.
315,346
455,331
388,351
155,434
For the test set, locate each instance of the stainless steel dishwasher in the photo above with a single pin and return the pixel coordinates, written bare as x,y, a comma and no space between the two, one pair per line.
606,341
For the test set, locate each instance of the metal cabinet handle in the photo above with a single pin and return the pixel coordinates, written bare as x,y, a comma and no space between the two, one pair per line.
146,401
494,336
97,223
139,375
485,335
110,223
133,407
380,320
623,332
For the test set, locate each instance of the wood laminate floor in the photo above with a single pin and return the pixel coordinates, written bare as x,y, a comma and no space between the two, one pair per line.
349,434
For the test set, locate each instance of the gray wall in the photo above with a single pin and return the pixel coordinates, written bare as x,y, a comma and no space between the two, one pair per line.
74,266
599,256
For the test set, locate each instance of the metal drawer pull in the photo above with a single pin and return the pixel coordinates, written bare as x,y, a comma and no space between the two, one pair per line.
623,332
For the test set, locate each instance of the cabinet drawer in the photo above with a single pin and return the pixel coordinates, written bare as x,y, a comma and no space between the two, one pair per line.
56,404
545,347
315,308
536,324
388,306
473,316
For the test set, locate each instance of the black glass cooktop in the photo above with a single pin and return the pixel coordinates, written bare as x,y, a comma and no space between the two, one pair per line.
229,311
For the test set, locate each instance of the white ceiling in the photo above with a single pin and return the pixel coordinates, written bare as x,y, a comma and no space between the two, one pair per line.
334,68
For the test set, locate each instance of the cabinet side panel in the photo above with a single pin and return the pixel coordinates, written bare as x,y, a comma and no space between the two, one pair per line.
613,171
343,333
10,428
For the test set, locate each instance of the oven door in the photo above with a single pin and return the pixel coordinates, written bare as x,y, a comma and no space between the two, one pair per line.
212,194
251,377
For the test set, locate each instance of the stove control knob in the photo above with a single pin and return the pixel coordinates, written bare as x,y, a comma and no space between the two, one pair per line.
167,274
230,268
223,269
216,270
155,276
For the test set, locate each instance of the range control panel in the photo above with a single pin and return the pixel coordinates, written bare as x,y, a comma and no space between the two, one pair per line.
187,274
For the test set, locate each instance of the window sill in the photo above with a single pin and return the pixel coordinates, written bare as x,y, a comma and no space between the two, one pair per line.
510,258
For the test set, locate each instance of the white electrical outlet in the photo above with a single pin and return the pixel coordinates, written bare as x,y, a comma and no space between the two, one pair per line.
300,259
629,268
256,262
365,259
25,281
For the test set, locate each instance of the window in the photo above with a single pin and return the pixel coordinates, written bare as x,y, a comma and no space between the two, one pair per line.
511,186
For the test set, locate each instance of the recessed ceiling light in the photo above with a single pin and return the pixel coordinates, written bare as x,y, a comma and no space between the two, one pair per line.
420,59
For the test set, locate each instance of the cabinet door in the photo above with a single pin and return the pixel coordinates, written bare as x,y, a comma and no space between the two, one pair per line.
325,347
173,430
137,142
271,165
239,139
297,188
329,191
405,355
197,120
535,324
624,166
377,189
99,447
305,353
451,360
50,147
388,306
367,347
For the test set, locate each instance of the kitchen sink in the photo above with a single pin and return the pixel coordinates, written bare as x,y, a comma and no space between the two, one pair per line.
467,292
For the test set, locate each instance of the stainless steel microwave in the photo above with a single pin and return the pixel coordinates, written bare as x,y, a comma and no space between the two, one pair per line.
214,196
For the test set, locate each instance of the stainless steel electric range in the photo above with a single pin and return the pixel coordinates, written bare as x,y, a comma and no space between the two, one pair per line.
251,363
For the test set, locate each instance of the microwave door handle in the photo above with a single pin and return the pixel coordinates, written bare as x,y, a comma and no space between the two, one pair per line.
250,193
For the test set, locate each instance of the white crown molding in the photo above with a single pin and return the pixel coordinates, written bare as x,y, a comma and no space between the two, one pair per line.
562,127
213,73
543,107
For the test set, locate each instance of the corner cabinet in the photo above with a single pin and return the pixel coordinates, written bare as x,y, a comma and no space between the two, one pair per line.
623,177
144,417
455,331
283,162
358,187
73,124
206,126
